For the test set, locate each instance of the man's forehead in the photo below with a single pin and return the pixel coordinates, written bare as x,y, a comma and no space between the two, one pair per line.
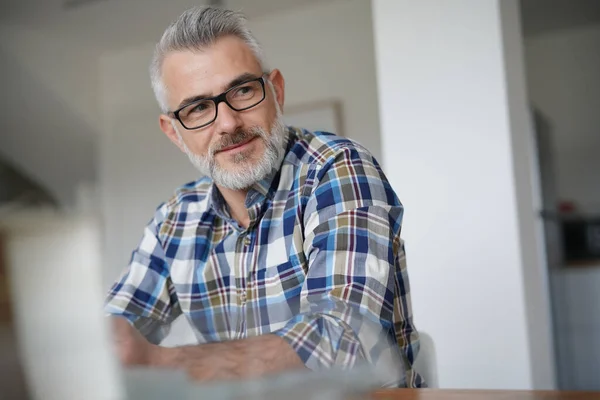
208,71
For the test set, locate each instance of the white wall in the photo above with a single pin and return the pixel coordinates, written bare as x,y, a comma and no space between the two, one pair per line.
325,51
564,83
452,109
49,112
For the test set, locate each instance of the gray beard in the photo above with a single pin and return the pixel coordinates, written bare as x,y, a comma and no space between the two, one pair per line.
246,172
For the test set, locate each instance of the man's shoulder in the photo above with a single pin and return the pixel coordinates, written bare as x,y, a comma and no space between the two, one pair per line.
319,147
190,198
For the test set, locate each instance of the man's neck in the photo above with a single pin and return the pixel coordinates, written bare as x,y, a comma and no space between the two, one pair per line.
236,201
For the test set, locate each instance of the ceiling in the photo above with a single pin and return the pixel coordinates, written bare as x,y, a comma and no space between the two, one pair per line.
110,24
542,16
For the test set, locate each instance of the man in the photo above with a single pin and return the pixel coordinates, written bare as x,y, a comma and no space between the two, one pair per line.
287,254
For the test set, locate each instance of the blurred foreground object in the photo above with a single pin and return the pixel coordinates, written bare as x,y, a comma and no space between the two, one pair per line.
12,381
53,267
334,384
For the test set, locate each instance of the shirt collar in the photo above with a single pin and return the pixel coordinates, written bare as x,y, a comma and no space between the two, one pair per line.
259,192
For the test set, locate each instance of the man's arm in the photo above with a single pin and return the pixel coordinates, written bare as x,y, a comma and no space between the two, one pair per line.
355,299
144,294
247,358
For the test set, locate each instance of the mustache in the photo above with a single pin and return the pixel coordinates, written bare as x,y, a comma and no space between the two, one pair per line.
237,137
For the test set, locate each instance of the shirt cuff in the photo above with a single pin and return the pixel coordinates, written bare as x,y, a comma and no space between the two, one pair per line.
341,337
153,330
322,342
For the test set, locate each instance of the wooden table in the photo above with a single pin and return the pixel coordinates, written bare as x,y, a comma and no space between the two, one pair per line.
441,394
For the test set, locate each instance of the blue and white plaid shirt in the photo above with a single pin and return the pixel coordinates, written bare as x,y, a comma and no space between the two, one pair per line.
321,263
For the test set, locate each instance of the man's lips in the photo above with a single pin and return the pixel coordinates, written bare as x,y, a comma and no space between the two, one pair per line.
235,146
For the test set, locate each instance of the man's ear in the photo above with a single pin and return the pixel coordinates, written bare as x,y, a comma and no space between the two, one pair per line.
167,127
276,77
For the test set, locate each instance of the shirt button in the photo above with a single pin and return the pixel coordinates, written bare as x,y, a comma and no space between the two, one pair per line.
243,297
247,241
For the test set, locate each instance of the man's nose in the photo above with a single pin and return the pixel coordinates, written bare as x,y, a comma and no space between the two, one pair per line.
228,120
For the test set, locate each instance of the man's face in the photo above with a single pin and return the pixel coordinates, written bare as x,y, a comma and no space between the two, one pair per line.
237,141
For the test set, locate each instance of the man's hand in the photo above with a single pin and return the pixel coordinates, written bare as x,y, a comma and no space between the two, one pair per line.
247,358
237,359
131,347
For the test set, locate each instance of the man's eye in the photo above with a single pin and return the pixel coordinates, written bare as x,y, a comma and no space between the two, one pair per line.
200,108
244,91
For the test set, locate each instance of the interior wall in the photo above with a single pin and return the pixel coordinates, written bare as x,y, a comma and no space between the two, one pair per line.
49,114
325,51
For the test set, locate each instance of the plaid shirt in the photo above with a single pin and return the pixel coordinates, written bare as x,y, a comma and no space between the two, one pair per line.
321,263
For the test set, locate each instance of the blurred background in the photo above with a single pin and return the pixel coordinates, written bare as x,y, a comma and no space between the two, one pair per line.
484,114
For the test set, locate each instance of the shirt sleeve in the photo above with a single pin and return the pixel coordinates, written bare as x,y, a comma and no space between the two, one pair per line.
144,294
355,302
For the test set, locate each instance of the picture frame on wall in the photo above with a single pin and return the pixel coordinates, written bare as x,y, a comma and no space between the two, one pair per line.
323,115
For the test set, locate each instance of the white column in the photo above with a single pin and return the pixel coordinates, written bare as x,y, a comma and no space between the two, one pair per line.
457,148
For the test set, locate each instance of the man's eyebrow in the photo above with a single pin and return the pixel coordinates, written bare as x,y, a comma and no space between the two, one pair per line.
247,76
241,79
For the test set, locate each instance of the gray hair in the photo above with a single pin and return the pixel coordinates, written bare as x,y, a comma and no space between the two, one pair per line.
194,30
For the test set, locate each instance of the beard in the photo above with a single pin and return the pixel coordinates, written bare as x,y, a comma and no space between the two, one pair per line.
246,171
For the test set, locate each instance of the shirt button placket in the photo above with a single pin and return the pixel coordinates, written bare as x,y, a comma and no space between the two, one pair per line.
247,243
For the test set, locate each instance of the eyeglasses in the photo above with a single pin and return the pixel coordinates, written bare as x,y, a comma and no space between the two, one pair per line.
201,113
